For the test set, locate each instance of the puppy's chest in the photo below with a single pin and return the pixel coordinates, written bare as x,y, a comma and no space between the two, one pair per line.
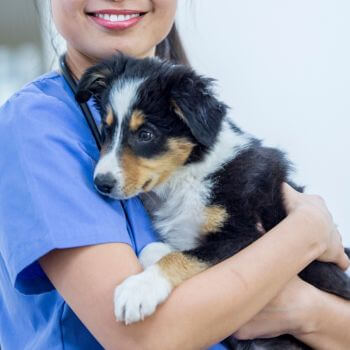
179,211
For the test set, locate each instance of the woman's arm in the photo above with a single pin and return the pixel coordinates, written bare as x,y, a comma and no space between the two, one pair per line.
206,308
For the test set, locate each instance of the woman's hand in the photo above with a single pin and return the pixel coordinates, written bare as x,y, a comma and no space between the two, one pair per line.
290,312
315,317
317,216
318,319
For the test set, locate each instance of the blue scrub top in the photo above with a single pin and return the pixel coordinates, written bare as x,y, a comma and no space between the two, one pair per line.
48,201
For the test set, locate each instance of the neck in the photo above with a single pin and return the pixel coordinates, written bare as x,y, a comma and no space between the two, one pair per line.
79,62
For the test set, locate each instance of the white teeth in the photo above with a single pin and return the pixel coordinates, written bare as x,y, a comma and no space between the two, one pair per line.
117,18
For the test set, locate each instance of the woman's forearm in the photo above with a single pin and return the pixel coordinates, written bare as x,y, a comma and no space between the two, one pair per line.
328,327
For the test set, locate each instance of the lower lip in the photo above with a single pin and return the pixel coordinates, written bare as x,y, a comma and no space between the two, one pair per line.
116,25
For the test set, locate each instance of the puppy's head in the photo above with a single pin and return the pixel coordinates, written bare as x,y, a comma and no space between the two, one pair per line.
157,117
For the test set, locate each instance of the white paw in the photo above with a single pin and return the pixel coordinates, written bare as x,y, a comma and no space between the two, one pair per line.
139,295
153,252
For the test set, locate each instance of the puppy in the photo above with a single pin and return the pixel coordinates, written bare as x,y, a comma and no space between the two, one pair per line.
210,188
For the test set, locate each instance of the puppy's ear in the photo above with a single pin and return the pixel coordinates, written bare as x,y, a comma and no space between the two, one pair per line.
99,77
195,103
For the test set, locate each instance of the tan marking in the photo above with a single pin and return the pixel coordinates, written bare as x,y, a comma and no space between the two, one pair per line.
178,267
215,217
136,120
110,117
142,174
178,111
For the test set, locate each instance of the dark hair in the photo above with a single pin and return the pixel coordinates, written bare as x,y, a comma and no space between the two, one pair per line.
171,48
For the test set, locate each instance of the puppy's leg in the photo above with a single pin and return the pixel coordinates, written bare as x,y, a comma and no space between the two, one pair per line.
139,295
327,277
153,252
177,267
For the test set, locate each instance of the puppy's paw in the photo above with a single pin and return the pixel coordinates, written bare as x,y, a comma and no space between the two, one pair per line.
153,252
139,295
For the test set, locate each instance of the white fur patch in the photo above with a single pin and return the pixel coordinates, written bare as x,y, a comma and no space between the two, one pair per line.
122,98
179,212
139,295
153,252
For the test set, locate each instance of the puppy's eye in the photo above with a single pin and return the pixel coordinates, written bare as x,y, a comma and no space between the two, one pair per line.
145,136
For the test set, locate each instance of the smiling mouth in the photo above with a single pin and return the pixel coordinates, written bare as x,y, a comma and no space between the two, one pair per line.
116,16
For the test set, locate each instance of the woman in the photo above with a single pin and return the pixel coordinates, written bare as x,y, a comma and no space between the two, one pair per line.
64,248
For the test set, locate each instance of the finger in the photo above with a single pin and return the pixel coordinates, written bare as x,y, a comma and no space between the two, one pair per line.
247,332
344,262
290,196
288,189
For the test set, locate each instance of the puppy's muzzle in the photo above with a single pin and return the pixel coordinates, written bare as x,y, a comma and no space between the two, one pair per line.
105,183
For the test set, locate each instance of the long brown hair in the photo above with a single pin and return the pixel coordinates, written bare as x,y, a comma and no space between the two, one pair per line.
171,48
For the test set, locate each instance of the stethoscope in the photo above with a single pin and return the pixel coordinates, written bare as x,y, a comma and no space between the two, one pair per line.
68,76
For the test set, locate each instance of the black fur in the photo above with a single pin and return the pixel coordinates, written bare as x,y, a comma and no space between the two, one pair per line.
166,83
279,343
248,187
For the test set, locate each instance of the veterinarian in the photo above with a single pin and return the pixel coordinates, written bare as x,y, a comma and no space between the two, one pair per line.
64,247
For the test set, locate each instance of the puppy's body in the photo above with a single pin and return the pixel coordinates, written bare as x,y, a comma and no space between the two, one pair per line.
211,189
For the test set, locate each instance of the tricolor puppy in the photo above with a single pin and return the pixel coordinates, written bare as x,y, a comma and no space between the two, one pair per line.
210,188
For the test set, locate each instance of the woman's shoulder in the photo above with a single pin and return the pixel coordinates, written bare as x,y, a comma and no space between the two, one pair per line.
46,92
46,86
43,108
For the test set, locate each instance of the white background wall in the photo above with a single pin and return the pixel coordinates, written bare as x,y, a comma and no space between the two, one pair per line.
284,68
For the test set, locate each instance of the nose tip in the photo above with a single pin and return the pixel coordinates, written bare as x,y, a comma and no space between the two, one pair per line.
105,182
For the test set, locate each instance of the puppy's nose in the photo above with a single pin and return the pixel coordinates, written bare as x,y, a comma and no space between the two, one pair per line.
105,182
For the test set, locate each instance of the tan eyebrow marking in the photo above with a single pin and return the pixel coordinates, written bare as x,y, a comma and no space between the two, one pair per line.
110,117
136,120
178,111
